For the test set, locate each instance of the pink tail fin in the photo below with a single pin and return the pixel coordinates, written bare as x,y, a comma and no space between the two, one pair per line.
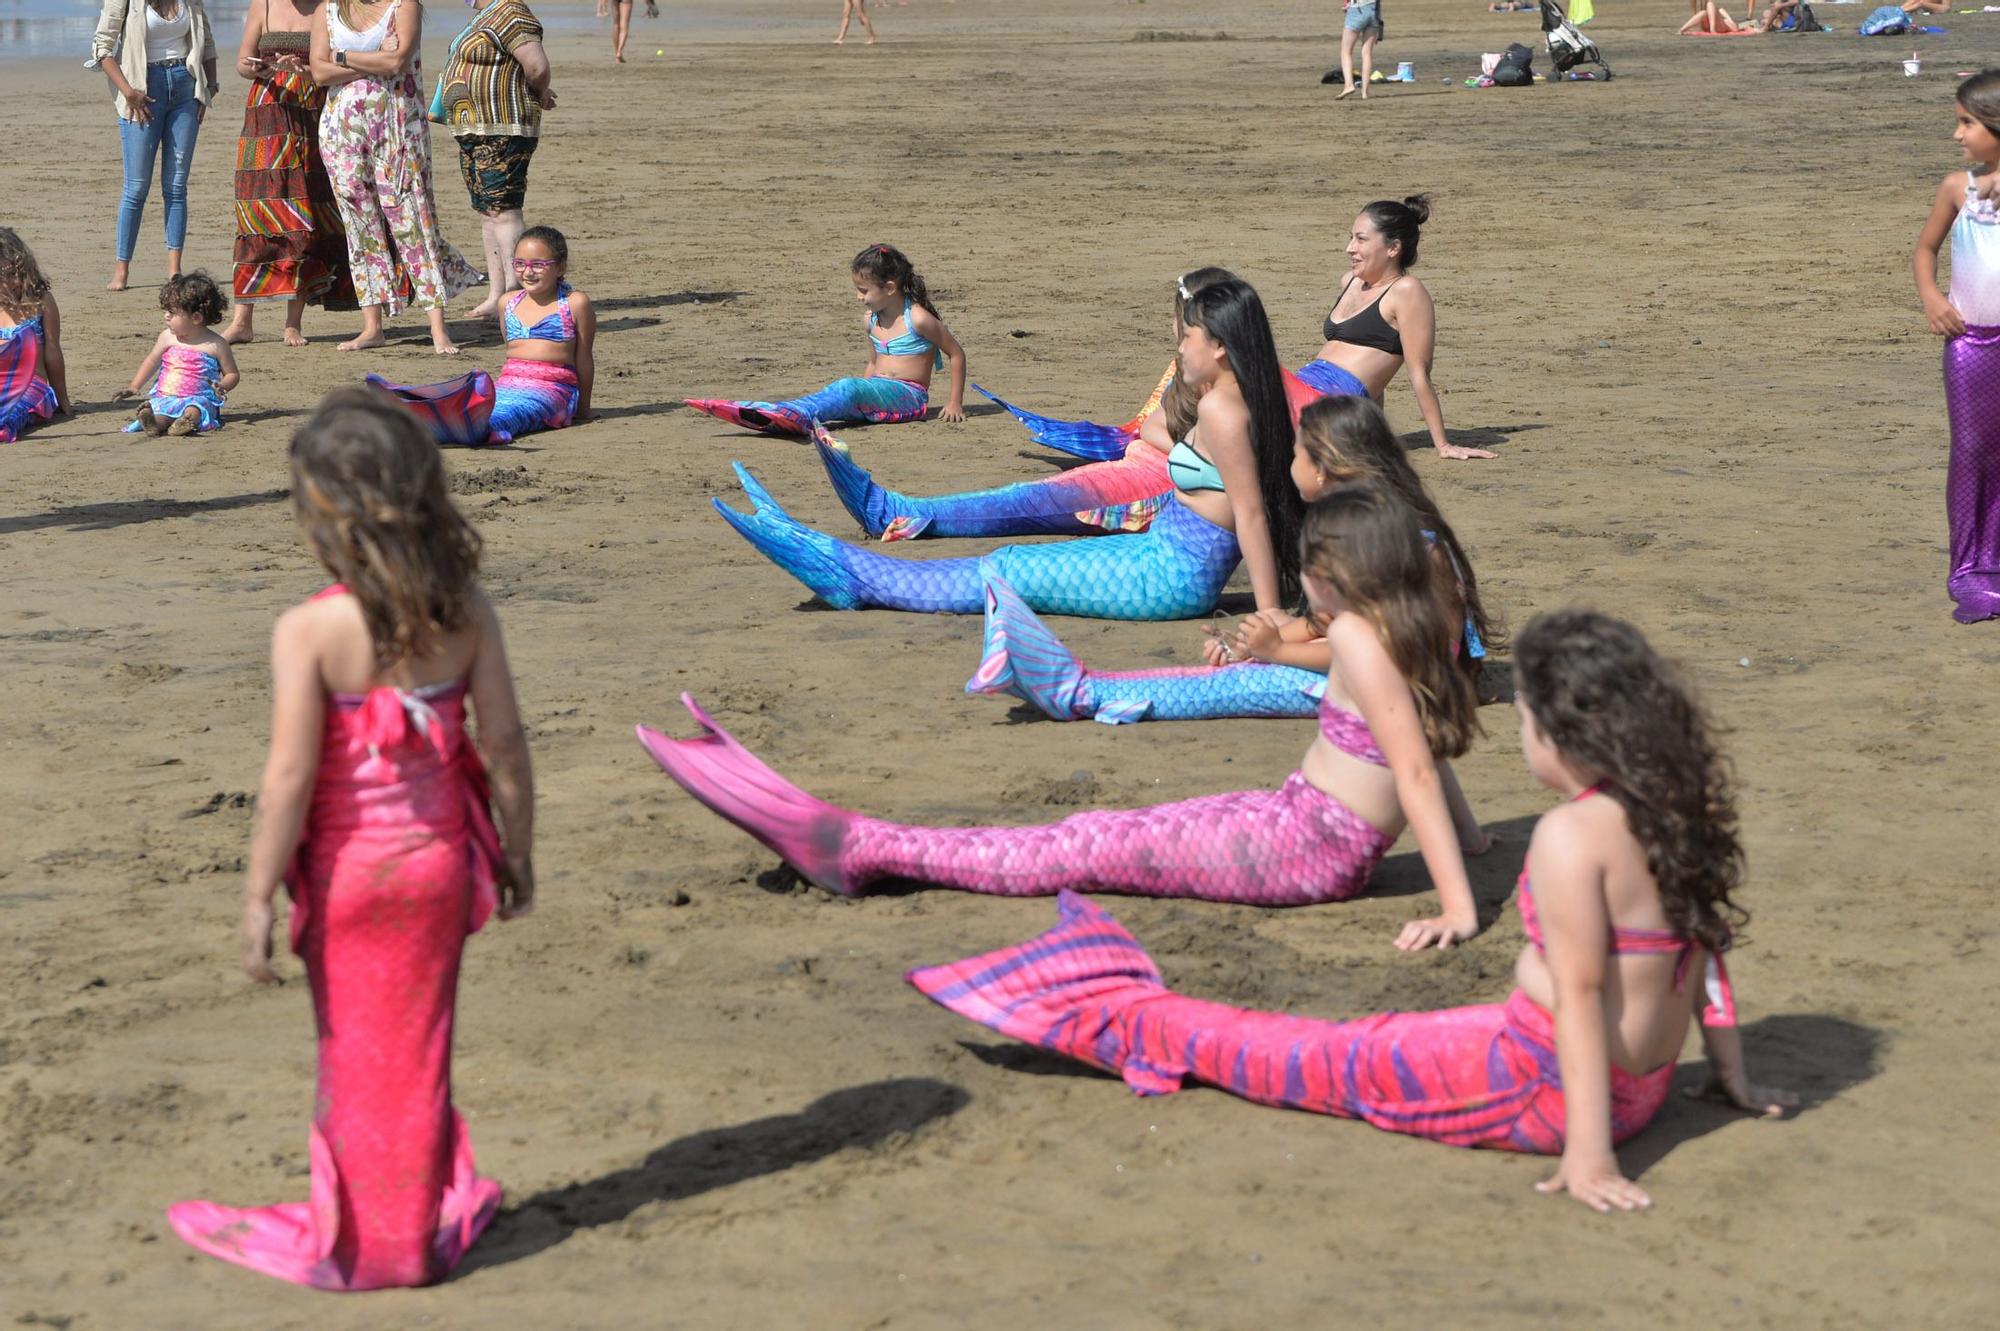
806,832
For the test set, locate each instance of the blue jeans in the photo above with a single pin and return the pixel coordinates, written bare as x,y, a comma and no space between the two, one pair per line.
170,139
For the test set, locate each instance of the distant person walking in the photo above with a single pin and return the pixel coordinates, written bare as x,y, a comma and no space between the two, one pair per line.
849,11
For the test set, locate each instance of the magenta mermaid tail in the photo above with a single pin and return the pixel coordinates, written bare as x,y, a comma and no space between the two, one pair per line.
1292,846
1481,1076
397,867
805,832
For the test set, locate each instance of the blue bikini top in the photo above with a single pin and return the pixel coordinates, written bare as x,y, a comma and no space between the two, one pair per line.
909,342
1189,470
558,325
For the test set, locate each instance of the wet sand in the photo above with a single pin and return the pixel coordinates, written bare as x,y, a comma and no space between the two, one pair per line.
1677,304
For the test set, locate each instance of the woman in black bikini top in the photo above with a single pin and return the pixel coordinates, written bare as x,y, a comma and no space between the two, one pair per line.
1383,319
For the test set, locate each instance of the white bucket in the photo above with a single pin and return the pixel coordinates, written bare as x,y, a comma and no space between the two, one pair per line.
1911,68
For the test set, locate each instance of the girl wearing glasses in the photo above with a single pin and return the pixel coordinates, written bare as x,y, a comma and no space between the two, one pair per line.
551,331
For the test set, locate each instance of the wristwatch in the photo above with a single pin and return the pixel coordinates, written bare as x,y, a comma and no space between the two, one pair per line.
340,58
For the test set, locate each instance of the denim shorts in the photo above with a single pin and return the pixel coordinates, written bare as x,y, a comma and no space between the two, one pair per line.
1364,19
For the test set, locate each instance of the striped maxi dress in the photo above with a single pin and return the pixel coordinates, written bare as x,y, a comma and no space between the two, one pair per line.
289,240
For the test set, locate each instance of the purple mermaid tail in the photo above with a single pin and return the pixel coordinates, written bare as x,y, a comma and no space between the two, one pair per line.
1290,847
1972,482
1084,501
1477,1076
1022,657
458,411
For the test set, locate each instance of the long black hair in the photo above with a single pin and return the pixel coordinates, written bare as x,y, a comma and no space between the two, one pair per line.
1230,312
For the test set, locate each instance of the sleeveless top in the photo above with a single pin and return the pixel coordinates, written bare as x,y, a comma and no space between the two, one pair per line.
909,342
558,325
1719,1010
1975,260
1366,329
186,372
343,38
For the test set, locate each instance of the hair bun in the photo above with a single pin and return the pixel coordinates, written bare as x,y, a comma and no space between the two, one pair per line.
1420,205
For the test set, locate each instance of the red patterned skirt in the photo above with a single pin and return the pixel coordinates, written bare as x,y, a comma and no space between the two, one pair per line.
289,240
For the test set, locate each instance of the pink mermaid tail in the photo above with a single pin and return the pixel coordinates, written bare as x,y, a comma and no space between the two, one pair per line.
398,868
458,411
1292,846
1477,1076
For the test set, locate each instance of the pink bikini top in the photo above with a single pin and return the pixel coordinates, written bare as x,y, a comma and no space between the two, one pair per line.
1347,732
1719,1010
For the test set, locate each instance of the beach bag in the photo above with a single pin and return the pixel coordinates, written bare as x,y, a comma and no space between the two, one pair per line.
1885,22
1516,68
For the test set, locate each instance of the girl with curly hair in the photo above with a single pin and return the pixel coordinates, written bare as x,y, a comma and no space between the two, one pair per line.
190,366
33,385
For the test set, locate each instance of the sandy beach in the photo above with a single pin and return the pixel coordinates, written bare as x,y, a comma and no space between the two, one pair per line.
1677,304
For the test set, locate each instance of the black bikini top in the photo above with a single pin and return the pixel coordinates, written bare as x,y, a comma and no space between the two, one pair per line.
1366,329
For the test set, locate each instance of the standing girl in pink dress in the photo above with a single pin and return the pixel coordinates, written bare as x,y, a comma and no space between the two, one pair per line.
374,813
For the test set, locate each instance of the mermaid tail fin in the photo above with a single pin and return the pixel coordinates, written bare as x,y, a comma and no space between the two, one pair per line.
761,499
728,778
1021,656
1083,439
809,556
876,509
763,417
1063,991
456,411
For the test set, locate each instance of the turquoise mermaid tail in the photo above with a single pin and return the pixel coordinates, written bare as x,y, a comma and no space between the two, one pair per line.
1174,570
1085,501
805,832
879,401
1023,658
1483,1076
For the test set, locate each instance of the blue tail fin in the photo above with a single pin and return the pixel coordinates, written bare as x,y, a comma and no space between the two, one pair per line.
1083,439
807,555
871,505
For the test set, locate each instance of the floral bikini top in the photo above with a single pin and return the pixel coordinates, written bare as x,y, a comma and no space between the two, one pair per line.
1720,1007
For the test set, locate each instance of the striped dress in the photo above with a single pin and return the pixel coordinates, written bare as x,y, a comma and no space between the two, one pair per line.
289,240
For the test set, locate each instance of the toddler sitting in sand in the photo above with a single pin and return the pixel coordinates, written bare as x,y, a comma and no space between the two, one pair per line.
190,366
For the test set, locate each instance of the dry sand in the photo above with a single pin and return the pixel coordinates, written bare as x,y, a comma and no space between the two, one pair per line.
1678,304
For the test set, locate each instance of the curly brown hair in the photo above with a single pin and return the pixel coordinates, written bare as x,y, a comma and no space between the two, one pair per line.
22,286
194,293
1366,545
368,489
1610,703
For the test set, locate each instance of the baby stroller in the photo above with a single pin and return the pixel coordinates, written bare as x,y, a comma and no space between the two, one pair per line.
1568,47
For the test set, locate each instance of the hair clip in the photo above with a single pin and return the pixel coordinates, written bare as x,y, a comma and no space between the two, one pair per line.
1180,287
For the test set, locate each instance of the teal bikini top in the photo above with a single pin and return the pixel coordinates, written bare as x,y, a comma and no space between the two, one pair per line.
907,343
1189,470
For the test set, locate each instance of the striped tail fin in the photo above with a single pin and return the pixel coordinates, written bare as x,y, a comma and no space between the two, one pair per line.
1022,657
1063,991
456,411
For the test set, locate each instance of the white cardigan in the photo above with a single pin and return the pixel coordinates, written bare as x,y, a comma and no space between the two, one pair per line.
121,31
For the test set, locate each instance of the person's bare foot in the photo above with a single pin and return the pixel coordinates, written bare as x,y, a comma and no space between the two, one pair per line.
294,338
485,309
363,342
445,348
1345,94
187,423
121,277
840,41
869,42
237,336
148,422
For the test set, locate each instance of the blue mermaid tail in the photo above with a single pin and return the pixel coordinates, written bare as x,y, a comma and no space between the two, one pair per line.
1174,570
879,401
1085,501
1022,657
1329,380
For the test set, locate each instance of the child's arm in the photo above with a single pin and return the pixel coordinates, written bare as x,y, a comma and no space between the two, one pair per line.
54,368
1944,211
585,314
932,327
225,356
1225,436
1576,939
1153,433
1472,838
1383,697
149,366
504,745
1728,1081
1281,640
298,711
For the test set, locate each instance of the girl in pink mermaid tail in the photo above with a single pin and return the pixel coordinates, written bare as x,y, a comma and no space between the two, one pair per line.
907,341
1395,708
190,366
374,813
34,384
551,332
1627,919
